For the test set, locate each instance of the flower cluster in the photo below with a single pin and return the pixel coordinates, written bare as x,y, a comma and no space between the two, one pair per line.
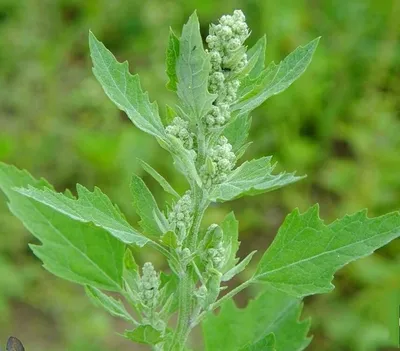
216,256
149,285
179,129
220,161
181,215
227,56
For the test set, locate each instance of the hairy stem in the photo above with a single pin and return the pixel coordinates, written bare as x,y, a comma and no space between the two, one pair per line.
186,285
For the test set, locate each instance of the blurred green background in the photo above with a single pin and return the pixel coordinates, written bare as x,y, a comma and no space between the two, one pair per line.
340,124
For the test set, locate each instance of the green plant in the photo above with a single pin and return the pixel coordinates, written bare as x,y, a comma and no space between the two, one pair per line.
86,239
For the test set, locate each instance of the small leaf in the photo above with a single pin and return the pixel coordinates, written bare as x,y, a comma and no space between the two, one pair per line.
124,89
277,78
230,229
115,307
192,71
238,268
93,207
73,250
257,51
146,207
170,114
131,276
306,253
272,312
159,178
130,264
145,334
251,178
168,293
237,131
171,60
170,239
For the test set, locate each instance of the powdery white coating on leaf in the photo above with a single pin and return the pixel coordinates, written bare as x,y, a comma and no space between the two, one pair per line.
93,207
277,78
192,71
306,253
251,178
124,89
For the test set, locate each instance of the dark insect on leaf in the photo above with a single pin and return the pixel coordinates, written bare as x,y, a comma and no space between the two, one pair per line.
13,344
194,48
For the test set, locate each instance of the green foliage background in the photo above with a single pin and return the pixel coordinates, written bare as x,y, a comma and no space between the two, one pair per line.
340,124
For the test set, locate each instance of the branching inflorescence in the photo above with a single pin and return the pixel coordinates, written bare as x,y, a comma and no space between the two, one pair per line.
86,239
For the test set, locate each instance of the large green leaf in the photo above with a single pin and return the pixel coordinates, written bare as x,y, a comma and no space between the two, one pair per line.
171,60
306,253
152,221
271,312
93,207
276,78
251,178
124,89
71,249
192,71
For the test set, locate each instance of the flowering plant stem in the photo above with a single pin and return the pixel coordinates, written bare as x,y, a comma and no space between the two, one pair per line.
86,238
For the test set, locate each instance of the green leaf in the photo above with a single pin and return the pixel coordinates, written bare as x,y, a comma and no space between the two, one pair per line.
193,69
73,250
171,60
115,307
94,207
265,344
170,239
271,312
230,230
258,51
251,178
306,253
153,221
159,178
255,65
124,89
145,334
237,131
238,268
276,78
168,294
131,277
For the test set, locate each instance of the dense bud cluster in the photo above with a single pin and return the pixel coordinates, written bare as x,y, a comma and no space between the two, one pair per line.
149,285
216,256
180,217
179,129
227,56
220,161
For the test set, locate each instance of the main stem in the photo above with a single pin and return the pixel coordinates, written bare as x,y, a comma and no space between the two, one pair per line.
185,288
